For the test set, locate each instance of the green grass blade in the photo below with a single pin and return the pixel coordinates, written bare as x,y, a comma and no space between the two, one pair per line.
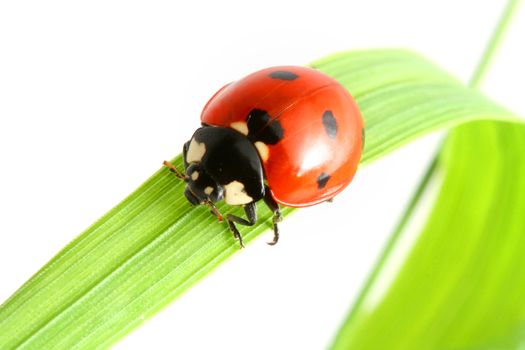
439,318
494,42
459,287
153,246
127,266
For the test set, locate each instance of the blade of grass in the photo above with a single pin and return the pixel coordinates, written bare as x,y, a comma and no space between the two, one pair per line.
505,331
153,246
458,287
494,42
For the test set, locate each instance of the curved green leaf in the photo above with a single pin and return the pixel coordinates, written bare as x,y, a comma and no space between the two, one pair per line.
153,246
452,284
460,285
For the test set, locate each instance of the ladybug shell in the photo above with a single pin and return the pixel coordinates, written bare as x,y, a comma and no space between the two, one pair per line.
305,125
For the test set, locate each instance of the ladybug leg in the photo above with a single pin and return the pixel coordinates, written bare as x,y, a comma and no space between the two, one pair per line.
277,217
213,210
251,214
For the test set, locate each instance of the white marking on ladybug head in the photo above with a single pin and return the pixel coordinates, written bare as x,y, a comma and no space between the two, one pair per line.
195,175
241,127
208,190
195,151
263,150
235,194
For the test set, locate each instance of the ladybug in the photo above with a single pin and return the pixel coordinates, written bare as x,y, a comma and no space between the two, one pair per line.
288,135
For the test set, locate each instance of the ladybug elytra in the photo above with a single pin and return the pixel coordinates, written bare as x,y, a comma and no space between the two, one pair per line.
289,135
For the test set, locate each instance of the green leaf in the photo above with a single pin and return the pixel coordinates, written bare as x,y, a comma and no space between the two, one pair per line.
452,284
459,286
153,246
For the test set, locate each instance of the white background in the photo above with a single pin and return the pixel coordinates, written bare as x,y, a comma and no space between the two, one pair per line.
94,95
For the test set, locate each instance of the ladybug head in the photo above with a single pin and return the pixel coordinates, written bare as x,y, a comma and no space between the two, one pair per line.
201,188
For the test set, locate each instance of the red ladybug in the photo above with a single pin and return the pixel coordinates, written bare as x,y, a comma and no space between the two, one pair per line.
288,135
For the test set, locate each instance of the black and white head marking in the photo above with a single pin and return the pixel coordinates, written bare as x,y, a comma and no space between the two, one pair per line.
196,151
201,186
236,194
223,163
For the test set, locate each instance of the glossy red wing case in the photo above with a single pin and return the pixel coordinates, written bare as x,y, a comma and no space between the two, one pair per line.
320,145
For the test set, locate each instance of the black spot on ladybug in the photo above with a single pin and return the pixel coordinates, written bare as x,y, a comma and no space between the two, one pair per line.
283,75
322,180
330,124
272,134
257,120
261,127
362,138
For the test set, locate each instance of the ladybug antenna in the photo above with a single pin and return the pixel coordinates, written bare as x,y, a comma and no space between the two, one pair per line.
175,171
214,209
